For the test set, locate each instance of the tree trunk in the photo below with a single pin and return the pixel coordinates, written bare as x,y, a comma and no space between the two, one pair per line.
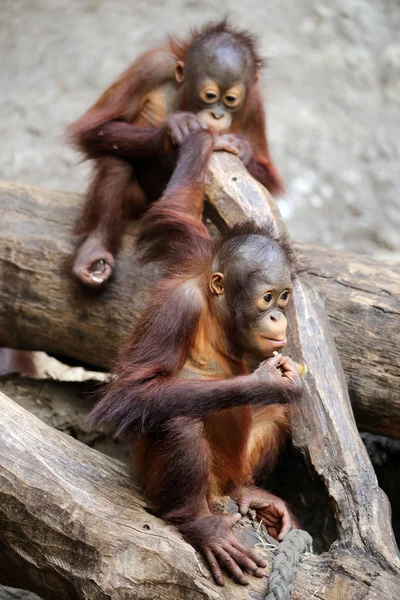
41,308
73,525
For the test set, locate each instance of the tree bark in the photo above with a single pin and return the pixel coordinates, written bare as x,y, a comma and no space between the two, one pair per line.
41,308
73,525
323,426
362,300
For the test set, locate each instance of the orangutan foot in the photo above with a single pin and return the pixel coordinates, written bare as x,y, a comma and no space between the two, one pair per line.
93,264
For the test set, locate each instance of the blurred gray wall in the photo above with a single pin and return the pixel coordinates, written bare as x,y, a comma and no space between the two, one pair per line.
332,96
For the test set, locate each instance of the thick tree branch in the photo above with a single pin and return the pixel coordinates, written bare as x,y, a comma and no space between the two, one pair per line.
73,525
323,424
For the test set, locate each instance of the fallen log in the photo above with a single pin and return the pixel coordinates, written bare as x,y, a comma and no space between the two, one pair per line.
73,525
362,300
41,308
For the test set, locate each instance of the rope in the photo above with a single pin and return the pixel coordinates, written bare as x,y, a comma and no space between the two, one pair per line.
285,563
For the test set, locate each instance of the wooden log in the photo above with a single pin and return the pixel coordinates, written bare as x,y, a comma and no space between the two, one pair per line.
362,300
41,308
323,425
73,525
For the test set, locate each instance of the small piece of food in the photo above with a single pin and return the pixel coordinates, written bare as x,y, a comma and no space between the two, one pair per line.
301,367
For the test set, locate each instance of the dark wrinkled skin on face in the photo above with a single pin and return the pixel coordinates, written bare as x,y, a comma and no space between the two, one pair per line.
217,60
253,270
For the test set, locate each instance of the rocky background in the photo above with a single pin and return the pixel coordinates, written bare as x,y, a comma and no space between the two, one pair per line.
332,93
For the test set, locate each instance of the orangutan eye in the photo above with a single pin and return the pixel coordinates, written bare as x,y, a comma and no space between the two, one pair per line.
267,298
209,96
231,100
284,297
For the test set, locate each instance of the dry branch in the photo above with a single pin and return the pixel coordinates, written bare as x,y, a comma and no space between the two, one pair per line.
323,425
42,309
73,525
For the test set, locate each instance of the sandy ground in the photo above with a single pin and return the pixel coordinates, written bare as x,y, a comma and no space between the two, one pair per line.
332,96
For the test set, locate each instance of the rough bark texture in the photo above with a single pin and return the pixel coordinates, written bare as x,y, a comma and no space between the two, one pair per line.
362,300
41,308
323,423
73,525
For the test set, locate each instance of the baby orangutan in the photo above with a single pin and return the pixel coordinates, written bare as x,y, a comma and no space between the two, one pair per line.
208,81
198,387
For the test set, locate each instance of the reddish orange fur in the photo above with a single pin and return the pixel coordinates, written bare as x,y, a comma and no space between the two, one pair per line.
123,98
201,424
270,427
178,337
228,433
118,130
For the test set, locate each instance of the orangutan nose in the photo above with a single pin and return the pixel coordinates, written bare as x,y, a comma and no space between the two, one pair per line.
275,316
217,114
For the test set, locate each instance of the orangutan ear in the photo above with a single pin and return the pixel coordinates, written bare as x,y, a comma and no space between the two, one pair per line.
217,284
179,71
